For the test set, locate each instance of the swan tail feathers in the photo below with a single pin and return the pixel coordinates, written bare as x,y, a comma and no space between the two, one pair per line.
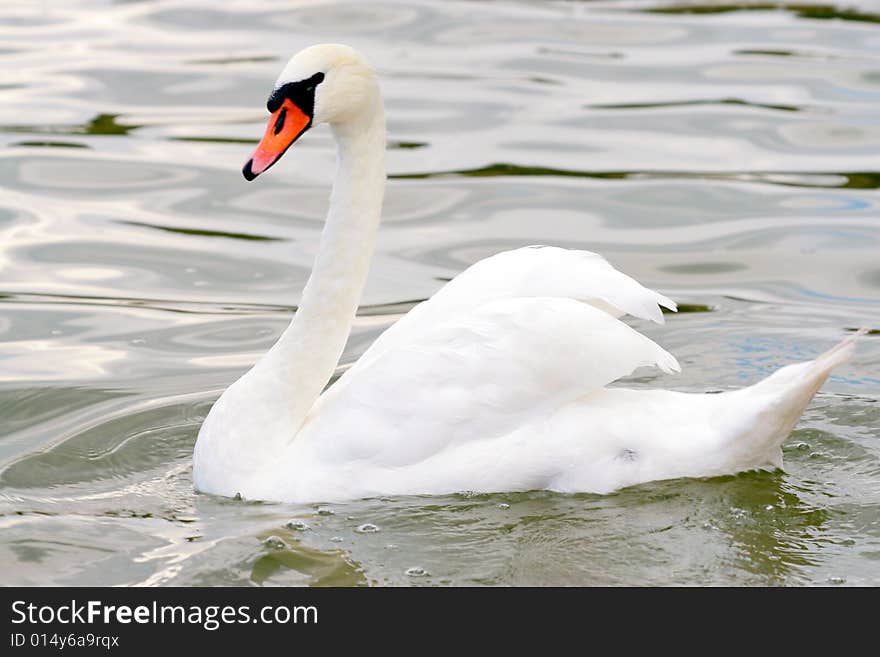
779,401
812,374
839,353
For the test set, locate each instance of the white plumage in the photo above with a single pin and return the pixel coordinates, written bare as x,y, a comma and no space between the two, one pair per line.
497,383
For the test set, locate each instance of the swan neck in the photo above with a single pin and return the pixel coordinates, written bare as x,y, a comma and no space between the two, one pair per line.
310,348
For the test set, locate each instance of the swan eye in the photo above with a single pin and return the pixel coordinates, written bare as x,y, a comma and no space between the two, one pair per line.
316,79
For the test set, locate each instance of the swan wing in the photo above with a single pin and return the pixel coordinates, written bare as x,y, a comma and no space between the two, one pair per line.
474,376
533,271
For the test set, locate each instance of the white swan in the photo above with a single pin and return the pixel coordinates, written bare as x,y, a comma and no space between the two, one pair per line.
497,383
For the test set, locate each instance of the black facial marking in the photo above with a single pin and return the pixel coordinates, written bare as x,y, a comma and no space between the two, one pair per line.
279,122
301,94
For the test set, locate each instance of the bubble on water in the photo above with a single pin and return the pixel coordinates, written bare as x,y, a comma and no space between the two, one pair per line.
769,507
834,579
326,512
802,446
848,541
817,455
200,283
416,571
55,332
297,525
738,513
237,497
367,528
336,539
190,270
503,505
391,546
350,518
274,543
138,341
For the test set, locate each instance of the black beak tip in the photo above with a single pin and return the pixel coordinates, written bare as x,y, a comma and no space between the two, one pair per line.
247,171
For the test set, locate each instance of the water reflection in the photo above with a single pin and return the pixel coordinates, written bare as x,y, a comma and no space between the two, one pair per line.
849,180
102,124
773,533
321,568
819,11
687,103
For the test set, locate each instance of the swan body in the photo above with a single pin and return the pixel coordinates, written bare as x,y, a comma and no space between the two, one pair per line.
496,383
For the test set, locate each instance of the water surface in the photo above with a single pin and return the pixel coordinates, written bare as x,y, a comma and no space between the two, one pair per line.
728,157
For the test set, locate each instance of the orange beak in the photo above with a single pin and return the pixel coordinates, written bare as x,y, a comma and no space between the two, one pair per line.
286,124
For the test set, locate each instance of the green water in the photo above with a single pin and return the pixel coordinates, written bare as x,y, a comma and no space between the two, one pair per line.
729,158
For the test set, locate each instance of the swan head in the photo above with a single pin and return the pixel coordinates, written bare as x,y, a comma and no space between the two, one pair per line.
325,83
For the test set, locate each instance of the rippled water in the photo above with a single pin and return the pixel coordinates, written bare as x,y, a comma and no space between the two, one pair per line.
730,159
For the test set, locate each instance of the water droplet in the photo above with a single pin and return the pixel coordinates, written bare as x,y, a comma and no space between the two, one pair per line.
274,543
416,571
336,539
836,580
297,525
326,512
503,505
367,528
